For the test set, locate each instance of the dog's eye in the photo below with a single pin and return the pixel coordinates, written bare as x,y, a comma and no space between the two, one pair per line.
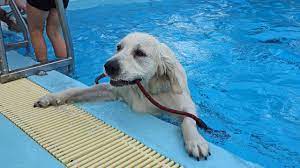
119,47
139,53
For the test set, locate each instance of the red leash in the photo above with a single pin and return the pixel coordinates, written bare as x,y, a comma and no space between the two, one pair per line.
199,122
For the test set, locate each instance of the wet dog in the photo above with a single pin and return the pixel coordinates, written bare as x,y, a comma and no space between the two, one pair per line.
142,56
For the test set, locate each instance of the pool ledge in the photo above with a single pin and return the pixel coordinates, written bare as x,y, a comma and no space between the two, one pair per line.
161,136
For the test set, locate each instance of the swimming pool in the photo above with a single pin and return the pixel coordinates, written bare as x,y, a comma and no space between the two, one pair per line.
242,59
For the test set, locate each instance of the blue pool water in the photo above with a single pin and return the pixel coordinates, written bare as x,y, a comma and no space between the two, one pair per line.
242,59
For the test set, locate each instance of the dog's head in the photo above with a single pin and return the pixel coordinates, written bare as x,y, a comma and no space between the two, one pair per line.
141,56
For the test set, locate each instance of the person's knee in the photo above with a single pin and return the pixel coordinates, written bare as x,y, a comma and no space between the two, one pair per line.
52,32
36,32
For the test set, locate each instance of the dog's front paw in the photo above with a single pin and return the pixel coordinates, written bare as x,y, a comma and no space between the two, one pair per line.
197,147
48,100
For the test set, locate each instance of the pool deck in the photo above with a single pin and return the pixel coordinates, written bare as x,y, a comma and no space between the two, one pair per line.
19,150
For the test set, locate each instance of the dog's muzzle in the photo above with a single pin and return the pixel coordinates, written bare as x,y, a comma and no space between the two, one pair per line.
117,82
112,68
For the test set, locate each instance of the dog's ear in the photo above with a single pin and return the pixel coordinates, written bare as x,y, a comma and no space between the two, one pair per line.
167,76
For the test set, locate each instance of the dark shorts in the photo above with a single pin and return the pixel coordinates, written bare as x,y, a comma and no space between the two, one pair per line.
45,5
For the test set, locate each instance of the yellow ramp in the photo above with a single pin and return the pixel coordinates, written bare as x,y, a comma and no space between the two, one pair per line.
73,136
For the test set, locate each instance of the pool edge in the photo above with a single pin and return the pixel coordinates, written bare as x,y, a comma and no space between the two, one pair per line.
143,127
168,141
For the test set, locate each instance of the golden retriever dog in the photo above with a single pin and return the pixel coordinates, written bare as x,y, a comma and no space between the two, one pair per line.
142,56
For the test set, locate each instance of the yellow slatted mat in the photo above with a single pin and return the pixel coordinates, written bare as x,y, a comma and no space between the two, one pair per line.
71,135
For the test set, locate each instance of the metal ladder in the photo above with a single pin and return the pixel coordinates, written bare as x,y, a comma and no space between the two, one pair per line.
7,75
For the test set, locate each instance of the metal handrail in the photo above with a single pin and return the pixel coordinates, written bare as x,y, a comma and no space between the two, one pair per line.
66,32
6,75
31,70
3,59
21,22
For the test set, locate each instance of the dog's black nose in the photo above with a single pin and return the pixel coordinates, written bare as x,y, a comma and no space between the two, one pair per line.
112,68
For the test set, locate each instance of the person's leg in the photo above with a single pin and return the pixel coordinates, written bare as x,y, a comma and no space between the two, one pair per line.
36,19
54,34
